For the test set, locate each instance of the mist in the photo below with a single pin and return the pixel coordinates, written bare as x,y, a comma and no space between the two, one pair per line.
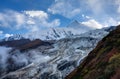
11,61
3,56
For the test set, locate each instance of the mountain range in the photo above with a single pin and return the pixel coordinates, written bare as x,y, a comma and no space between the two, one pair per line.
74,28
48,59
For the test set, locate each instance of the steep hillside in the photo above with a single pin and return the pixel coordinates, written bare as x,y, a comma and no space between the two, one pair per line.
103,62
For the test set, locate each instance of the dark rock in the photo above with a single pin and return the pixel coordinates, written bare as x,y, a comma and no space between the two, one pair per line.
65,64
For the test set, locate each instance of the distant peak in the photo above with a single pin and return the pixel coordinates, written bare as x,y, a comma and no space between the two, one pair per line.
75,21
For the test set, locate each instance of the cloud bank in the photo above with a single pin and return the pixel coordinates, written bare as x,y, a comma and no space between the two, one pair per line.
92,23
30,20
11,61
101,10
65,8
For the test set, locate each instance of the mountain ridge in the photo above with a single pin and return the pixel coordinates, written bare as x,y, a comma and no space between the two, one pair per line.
74,28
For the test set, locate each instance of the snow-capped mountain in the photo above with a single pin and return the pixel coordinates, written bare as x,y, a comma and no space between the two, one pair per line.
13,37
54,61
49,34
79,26
74,28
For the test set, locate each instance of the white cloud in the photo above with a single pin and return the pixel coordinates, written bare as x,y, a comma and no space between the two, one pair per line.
1,32
83,15
111,22
38,14
3,35
87,17
72,8
117,2
119,23
35,19
98,9
39,19
65,8
20,19
31,20
95,6
8,35
93,23
54,23
119,9
4,56
8,18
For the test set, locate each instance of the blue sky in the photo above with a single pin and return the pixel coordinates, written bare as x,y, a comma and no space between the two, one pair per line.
22,16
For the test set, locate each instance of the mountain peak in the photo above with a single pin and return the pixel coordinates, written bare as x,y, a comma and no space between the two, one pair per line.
79,26
75,21
74,24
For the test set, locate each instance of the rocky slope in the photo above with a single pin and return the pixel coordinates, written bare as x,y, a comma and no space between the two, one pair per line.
103,62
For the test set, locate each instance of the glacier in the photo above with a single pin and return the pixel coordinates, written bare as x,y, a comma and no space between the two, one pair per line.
54,61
